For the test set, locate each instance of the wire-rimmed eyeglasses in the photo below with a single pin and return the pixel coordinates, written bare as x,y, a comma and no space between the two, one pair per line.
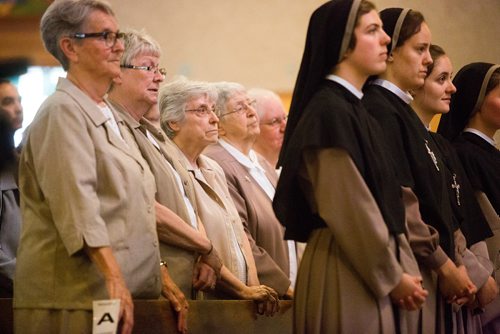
276,121
242,107
202,111
109,37
151,69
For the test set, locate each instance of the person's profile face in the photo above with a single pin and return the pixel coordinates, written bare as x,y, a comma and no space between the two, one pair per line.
200,127
10,105
435,95
370,52
490,109
240,120
140,84
272,125
93,55
411,59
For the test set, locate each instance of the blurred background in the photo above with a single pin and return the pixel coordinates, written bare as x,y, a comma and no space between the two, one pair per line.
258,43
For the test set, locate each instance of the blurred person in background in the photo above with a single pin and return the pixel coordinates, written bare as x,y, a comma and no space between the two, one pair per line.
272,121
10,214
10,104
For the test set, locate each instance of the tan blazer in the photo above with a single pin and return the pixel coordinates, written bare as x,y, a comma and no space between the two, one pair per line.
220,218
265,233
180,261
81,183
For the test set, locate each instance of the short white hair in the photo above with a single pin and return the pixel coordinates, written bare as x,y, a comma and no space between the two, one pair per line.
175,95
260,95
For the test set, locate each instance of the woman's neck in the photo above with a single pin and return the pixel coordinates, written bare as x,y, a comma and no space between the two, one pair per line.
190,151
242,145
477,123
389,75
352,75
133,108
95,89
424,115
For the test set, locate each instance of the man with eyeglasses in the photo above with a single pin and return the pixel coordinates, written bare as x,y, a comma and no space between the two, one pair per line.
272,120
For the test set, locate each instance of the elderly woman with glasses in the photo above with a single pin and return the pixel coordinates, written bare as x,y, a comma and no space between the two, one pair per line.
133,94
272,120
252,183
87,194
188,118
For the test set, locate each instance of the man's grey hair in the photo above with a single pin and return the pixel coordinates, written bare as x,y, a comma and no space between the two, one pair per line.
65,18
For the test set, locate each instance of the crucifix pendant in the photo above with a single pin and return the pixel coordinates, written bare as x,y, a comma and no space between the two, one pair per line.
431,154
455,185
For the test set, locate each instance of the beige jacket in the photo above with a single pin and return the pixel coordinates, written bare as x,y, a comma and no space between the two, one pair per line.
220,217
81,183
180,261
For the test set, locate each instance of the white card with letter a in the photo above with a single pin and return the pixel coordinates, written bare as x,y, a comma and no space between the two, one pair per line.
105,316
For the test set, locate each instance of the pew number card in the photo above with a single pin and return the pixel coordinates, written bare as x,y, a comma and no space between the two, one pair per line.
105,316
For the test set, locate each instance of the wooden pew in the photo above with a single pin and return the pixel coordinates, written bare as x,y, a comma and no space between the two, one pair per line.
207,316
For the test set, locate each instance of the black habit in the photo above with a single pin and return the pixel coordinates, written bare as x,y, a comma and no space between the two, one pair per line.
466,211
416,159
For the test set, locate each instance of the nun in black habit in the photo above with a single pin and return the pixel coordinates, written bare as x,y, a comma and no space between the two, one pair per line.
337,190
432,229
471,124
431,99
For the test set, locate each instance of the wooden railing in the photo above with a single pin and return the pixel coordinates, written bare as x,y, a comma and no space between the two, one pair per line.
212,317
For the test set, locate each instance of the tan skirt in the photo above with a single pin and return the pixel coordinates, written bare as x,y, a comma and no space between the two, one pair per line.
330,297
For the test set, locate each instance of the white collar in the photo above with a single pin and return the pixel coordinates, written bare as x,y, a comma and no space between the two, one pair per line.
482,135
249,161
356,92
405,96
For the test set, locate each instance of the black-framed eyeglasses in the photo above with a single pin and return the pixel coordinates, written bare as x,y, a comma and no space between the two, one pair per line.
242,107
109,37
276,121
151,69
202,111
